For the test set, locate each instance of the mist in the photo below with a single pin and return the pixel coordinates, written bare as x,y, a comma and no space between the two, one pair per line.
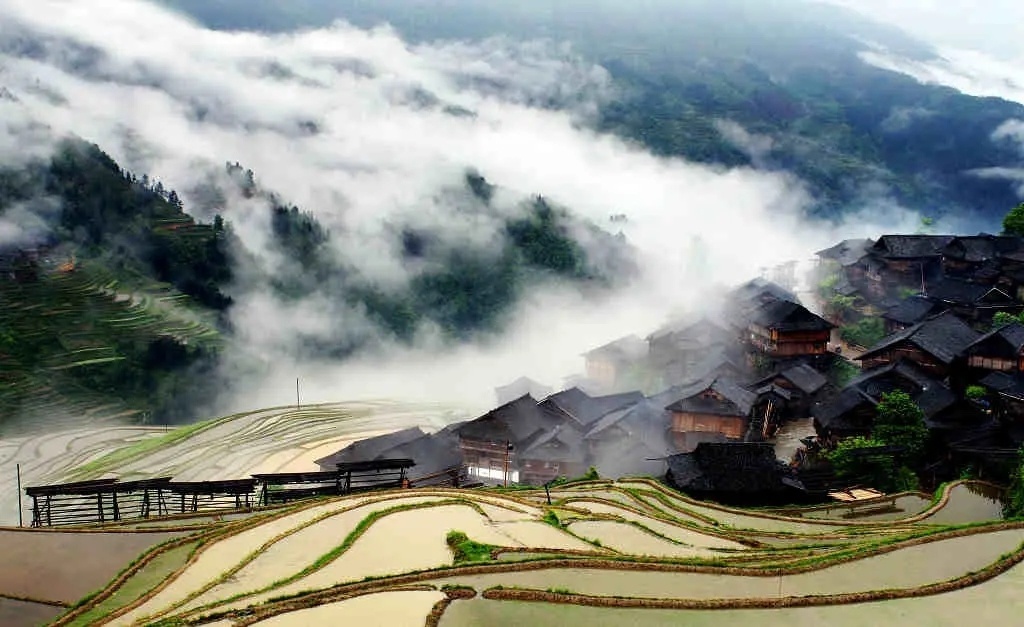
364,131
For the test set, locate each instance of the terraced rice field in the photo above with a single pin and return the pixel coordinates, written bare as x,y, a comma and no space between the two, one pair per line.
282,439
74,322
632,553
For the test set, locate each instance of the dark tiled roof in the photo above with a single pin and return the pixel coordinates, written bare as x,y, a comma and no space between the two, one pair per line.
911,246
760,290
911,310
835,413
516,421
738,401
370,448
982,247
700,332
1011,385
771,388
960,292
804,377
734,467
895,375
1010,336
638,416
561,444
935,399
944,337
847,252
571,400
786,315
624,348
521,387
587,409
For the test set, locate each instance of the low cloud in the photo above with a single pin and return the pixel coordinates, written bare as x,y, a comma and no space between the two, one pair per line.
1011,130
366,131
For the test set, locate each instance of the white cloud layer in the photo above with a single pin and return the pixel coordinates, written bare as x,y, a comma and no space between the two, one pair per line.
362,129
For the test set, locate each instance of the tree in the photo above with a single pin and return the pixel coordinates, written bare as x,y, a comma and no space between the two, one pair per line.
1014,505
852,461
900,422
1002,318
1013,223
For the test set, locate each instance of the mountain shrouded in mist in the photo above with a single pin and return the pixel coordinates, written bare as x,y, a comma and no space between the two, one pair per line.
780,85
435,207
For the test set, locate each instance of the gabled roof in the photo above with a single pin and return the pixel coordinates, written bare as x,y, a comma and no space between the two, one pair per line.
847,252
700,331
760,290
802,376
1010,336
911,310
371,448
930,395
560,444
910,246
916,379
517,421
944,337
982,247
935,399
1011,385
570,400
587,409
960,292
771,388
712,467
520,387
738,401
835,413
626,348
786,315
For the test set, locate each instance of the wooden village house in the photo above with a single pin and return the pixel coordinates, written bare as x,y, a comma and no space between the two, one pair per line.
803,385
850,414
935,345
734,472
606,365
786,330
978,257
715,410
898,262
909,312
972,301
491,444
630,441
999,350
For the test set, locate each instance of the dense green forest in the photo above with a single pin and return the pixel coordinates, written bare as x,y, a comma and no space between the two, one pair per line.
789,71
124,308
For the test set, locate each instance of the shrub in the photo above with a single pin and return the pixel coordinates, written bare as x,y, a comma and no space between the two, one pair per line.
975,392
866,332
466,550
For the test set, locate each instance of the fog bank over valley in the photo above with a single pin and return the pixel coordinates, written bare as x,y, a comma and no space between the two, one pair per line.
369,133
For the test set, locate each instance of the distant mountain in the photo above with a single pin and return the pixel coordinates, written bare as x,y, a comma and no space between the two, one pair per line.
776,84
121,304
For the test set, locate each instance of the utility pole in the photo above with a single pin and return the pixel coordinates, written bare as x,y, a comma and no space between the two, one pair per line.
298,405
508,448
21,521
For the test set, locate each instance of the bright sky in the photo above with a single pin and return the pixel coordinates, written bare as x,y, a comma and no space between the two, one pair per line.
995,27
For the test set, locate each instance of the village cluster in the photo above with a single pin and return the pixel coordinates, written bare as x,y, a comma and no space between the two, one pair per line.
701,399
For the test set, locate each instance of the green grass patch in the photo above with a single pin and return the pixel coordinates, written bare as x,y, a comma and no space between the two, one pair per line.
466,550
